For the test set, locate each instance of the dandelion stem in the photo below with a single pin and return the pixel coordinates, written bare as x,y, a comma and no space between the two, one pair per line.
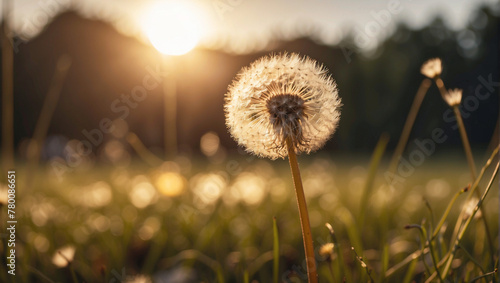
465,141
442,89
331,270
410,120
73,274
472,166
303,214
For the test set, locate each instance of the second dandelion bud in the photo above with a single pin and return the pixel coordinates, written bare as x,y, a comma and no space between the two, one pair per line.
282,97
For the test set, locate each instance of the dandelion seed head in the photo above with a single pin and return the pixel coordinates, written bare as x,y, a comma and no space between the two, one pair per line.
279,97
63,256
326,251
432,68
453,97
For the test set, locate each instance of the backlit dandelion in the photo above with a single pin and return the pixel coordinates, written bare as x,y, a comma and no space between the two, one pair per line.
432,68
285,105
280,97
453,97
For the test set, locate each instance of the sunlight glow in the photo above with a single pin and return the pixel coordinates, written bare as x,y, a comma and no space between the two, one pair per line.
173,27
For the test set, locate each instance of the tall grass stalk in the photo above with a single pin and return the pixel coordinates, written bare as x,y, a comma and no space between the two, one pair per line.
385,261
276,252
423,245
475,190
246,277
155,252
341,267
492,273
170,107
363,264
196,255
447,260
372,173
37,272
469,219
472,191
303,214
257,264
49,106
447,212
409,274
471,258
410,120
142,151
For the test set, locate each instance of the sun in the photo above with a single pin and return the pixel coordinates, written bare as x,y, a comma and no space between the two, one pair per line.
173,27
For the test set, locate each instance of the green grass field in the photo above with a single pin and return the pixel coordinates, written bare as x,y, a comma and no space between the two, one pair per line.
214,223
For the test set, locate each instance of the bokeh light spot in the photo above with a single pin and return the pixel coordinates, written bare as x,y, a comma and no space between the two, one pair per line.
209,143
170,184
142,195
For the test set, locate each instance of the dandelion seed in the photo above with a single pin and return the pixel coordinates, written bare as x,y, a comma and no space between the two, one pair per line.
326,251
282,97
432,68
63,256
469,208
453,97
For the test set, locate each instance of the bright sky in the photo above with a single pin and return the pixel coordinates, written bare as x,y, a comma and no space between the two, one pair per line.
243,25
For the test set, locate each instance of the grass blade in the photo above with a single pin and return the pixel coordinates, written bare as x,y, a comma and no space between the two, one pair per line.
374,164
276,252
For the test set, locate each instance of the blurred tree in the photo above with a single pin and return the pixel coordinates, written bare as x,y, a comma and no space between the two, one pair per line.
376,87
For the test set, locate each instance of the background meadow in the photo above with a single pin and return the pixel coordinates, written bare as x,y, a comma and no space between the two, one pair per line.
133,190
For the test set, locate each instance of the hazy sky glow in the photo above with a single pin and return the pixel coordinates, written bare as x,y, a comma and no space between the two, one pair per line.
245,25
